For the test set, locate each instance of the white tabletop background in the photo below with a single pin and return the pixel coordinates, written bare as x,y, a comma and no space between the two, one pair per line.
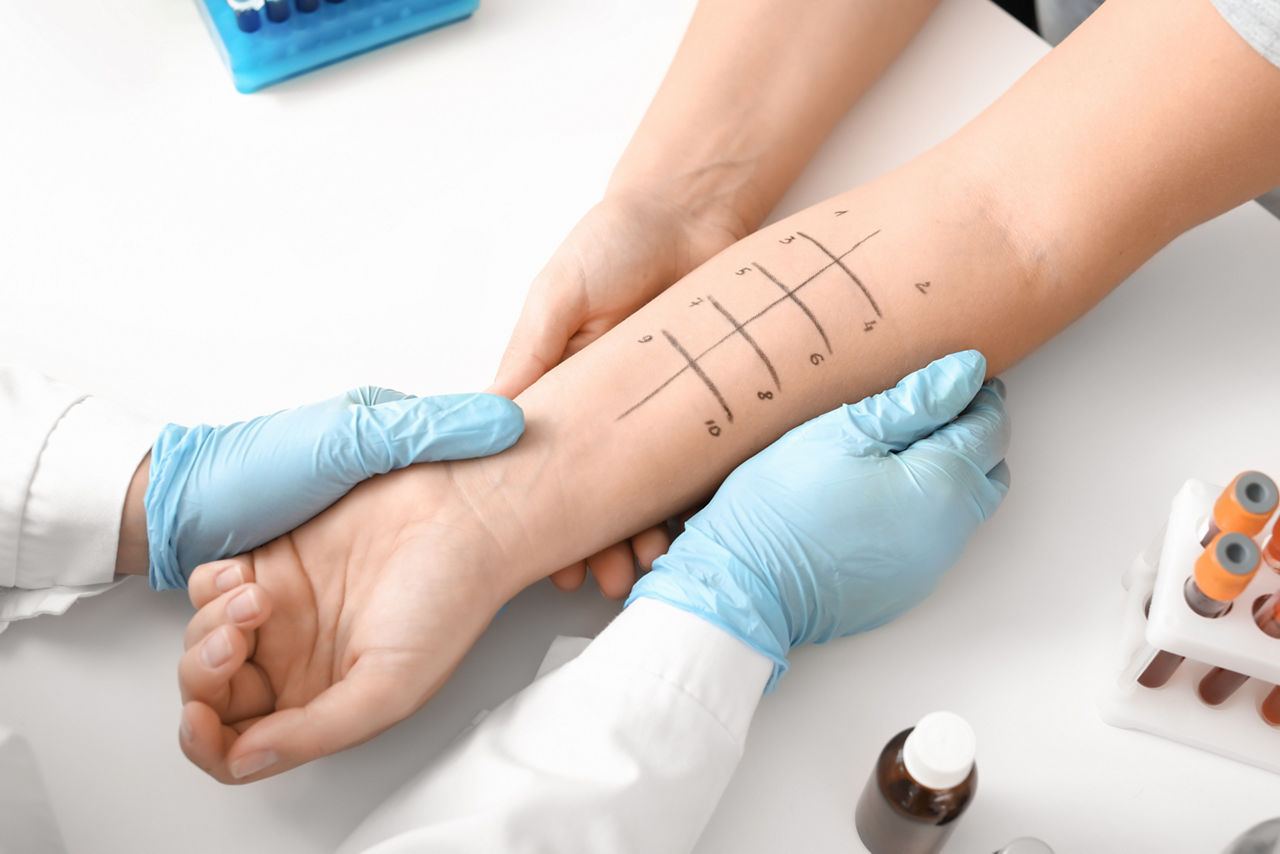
205,256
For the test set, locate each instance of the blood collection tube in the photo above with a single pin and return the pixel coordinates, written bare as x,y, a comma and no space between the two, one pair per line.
1267,614
1243,507
1221,573
248,14
307,5
277,10
1271,549
1271,707
922,782
1162,666
1219,683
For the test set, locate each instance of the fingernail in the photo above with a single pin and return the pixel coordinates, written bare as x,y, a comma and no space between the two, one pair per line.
252,763
216,650
243,607
184,729
227,579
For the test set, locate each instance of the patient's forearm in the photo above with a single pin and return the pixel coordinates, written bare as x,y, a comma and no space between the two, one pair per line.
827,306
753,90
996,240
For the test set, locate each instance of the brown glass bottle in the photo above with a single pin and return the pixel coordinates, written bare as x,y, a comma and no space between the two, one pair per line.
897,813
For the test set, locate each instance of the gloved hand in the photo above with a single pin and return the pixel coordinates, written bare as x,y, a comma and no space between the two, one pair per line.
219,491
849,519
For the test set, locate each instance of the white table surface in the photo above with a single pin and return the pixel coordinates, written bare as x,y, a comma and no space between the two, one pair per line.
204,255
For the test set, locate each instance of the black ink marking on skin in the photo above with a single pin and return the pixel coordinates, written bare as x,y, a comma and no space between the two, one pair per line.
868,326
791,294
702,375
841,213
866,293
815,358
923,287
746,336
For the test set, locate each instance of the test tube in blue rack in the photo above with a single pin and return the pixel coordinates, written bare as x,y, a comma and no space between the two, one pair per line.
266,41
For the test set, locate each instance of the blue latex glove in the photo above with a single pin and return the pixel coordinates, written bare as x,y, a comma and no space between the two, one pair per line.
849,519
219,491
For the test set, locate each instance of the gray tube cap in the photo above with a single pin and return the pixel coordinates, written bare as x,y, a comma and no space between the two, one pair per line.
1237,554
1256,492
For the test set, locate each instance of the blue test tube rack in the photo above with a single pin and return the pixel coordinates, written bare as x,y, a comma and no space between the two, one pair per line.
305,40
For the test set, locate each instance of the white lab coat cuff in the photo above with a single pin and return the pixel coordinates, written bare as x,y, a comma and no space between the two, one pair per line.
70,524
721,673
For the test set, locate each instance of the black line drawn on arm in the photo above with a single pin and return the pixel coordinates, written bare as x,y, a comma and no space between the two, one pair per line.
692,362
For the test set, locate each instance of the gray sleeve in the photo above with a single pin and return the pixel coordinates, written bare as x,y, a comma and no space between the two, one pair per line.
1257,22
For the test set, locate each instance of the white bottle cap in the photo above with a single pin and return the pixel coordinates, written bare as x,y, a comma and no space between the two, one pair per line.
939,752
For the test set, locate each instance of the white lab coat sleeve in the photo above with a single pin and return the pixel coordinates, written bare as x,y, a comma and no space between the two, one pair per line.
66,460
27,823
626,748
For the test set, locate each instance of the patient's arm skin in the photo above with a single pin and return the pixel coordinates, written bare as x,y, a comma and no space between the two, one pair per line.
1153,117
753,90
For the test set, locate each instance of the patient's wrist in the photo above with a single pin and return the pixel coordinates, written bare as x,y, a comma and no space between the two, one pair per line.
719,195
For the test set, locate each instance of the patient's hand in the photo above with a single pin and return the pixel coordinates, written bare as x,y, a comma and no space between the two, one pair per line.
295,654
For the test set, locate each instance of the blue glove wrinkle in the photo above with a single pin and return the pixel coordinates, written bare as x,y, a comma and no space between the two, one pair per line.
372,395
455,426
918,404
172,459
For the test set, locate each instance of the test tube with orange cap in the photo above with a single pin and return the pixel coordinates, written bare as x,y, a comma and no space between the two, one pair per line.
1219,683
1243,507
1271,707
1221,573
1271,549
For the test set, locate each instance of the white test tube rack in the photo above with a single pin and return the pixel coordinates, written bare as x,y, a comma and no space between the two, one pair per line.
1236,728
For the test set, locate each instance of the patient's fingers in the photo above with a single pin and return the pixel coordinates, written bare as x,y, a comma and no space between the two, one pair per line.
205,740
215,672
365,702
651,544
208,581
245,607
571,577
614,569
204,671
